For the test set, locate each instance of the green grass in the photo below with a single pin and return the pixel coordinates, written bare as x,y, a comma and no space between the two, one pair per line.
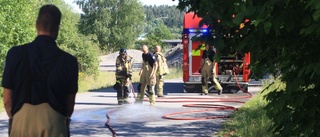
251,119
103,80
174,73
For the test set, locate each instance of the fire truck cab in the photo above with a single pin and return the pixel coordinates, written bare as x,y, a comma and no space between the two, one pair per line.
232,70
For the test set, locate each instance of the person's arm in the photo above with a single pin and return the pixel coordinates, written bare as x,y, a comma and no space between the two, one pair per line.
154,69
155,66
73,88
7,93
118,66
201,63
130,65
202,60
70,104
141,69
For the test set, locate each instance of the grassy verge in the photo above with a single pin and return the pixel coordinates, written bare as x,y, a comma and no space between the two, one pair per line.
251,119
103,80
1,105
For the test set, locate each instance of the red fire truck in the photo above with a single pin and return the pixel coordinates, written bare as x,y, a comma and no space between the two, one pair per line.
232,70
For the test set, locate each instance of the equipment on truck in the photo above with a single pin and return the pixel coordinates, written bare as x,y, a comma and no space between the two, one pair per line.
232,70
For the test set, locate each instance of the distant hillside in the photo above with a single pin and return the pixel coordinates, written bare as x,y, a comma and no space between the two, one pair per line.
167,15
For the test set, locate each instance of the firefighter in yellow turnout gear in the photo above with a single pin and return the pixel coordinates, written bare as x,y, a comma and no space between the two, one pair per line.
160,71
147,76
123,76
208,70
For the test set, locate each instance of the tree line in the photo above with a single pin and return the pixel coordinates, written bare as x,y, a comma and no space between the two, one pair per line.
166,15
118,23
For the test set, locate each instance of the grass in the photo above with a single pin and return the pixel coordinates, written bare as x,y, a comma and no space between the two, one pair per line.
251,119
174,73
103,80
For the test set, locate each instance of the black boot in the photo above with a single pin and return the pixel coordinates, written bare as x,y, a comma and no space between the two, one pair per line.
120,102
220,92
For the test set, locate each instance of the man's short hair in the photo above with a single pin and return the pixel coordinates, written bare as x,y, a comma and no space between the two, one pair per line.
49,18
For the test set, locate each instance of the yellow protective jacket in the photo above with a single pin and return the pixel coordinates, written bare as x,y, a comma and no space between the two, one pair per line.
123,66
162,64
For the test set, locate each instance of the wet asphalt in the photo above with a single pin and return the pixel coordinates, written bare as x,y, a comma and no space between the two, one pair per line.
140,120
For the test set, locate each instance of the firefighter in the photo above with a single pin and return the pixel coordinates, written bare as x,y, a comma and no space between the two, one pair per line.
160,70
123,76
147,76
208,70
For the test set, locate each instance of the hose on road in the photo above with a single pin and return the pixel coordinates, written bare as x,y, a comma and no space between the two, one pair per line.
207,107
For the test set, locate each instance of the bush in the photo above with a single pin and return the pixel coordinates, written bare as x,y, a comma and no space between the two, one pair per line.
86,52
251,119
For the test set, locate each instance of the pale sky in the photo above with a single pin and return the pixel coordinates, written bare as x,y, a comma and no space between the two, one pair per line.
144,2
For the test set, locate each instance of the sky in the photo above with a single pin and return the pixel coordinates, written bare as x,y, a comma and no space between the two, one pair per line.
144,2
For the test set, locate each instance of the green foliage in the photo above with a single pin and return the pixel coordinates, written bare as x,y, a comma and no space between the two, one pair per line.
160,33
283,37
251,119
116,23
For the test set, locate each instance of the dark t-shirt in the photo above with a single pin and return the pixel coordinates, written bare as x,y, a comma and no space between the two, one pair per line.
209,54
61,81
150,58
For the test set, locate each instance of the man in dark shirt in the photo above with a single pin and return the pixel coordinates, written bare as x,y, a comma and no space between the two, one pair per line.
40,82
208,70
147,76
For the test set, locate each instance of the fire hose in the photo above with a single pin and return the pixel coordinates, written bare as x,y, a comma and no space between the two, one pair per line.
207,107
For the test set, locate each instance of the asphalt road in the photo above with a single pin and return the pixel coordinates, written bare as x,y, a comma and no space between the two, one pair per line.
139,120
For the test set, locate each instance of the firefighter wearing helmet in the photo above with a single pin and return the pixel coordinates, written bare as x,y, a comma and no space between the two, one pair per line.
208,70
123,76
147,76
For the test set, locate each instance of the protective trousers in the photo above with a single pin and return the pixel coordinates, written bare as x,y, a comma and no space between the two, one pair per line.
39,121
160,84
146,80
209,71
122,93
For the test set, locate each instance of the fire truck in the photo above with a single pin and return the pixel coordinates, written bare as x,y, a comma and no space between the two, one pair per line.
232,70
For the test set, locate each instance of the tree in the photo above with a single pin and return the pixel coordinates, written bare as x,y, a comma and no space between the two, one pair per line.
16,25
160,33
117,23
283,38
